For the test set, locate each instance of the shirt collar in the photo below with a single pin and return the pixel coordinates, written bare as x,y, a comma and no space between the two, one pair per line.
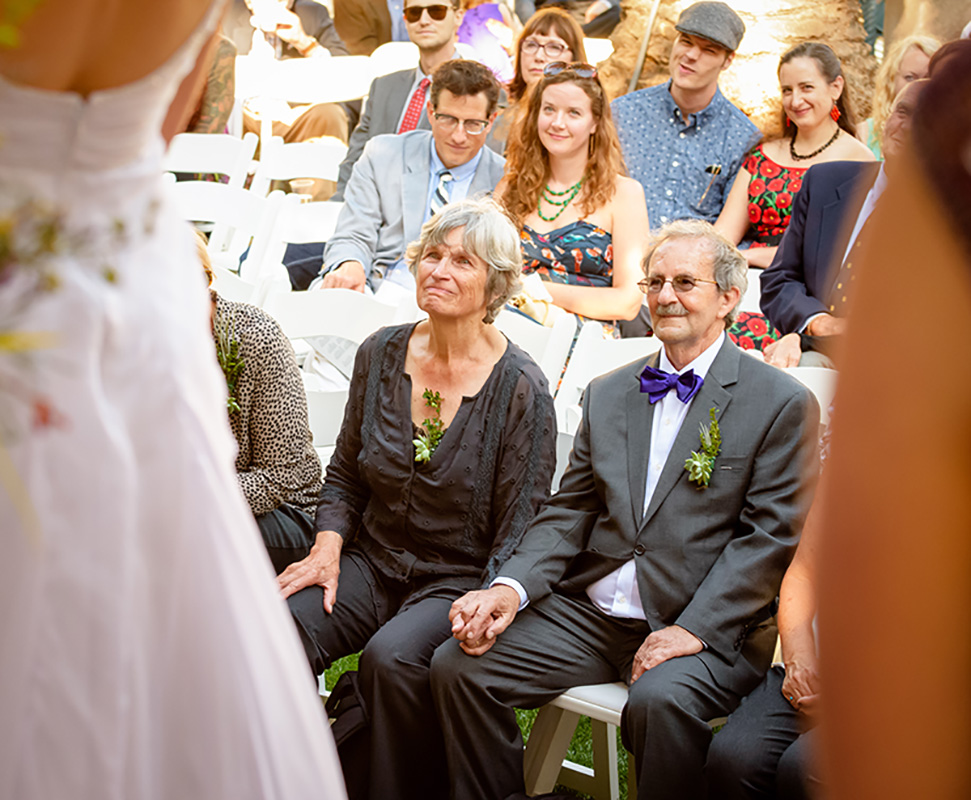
459,173
700,365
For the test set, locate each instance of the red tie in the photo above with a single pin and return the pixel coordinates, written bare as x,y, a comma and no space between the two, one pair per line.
415,106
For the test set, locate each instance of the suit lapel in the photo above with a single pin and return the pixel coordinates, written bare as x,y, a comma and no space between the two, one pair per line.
414,185
640,418
713,394
836,225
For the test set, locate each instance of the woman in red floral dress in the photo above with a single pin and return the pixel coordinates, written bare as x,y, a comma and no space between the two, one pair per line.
818,126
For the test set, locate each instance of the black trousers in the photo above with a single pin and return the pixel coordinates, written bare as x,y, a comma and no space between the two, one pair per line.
398,638
288,534
765,749
564,641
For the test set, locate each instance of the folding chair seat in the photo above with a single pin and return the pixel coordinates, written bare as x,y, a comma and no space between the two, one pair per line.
212,154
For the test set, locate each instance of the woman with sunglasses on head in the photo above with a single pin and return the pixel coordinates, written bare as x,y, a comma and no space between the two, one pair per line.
582,219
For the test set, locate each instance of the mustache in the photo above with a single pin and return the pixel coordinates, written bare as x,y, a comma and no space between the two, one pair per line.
671,310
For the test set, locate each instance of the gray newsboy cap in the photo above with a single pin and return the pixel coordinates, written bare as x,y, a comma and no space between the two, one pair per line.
714,21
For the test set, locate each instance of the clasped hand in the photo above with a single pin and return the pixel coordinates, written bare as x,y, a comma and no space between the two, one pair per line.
321,568
479,617
801,687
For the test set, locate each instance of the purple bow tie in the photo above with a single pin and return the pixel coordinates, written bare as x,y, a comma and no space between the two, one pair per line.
656,383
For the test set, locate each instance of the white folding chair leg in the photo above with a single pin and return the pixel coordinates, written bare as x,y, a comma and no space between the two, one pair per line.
546,748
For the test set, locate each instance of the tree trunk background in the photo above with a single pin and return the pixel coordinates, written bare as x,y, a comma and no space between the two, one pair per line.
771,28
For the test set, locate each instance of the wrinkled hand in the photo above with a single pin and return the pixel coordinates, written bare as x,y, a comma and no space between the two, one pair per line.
784,353
662,645
479,617
321,568
800,687
349,275
595,9
826,325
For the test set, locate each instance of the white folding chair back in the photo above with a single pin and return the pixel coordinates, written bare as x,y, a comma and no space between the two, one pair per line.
750,300
328,312
392,57
320,158
231,287
592,356
597,49
325,411
548,347
212,153
295,223
821,382
236,215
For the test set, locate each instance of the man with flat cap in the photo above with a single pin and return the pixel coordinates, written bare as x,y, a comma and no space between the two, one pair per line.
648,565
683,140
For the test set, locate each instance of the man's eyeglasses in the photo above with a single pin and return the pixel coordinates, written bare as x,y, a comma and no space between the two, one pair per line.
682,284
579,68
448,123
436,12
552,49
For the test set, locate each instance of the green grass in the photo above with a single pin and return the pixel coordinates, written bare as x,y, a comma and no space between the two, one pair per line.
580,750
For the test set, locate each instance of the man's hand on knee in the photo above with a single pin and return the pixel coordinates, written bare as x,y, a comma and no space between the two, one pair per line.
349,275
479,617
658,647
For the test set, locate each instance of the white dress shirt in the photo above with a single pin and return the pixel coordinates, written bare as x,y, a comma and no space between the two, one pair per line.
616,594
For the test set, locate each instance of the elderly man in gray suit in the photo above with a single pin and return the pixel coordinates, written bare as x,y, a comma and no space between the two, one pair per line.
401,181
392,96
659,559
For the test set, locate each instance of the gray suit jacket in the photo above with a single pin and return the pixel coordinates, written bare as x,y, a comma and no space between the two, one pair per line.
386,198
708,559
385,101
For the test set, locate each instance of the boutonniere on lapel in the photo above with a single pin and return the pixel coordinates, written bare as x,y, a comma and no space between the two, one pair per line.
699,464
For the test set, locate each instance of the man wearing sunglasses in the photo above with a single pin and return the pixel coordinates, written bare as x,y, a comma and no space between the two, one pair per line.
645,567
396,102
683,140
402,180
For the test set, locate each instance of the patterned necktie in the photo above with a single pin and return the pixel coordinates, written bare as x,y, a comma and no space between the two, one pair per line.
846,277
410,120
440,195
656,383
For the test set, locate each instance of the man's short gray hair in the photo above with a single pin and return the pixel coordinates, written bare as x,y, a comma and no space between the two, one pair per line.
728,264
489,234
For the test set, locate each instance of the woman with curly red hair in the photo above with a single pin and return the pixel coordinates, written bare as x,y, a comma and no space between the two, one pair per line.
582,220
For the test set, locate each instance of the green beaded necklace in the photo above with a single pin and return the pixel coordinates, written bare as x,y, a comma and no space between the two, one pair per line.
550,197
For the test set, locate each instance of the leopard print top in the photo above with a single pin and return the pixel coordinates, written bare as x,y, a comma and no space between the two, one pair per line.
276,462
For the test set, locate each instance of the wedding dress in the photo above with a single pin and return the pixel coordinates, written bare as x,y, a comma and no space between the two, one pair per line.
144,649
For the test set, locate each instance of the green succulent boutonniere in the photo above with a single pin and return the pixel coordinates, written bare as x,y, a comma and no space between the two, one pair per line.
227,350
699,464
429,438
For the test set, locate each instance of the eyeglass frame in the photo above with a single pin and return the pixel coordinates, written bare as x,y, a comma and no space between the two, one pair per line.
531,46
646,289
448,127
580,68
431,15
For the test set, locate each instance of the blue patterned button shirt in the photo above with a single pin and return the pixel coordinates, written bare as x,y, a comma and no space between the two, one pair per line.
685,166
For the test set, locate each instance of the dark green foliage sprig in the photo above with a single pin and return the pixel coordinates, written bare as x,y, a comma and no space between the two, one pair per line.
429,438
231,362
700,464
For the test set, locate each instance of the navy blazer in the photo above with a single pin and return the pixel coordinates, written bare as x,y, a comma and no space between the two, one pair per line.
797,284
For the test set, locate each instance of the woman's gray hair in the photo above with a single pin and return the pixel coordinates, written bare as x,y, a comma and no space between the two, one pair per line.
728,264
489,234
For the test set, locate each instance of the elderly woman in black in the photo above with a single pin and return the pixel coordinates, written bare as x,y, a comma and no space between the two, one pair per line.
446,453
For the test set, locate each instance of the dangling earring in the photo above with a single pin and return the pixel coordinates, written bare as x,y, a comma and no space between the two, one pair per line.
834,112
788,122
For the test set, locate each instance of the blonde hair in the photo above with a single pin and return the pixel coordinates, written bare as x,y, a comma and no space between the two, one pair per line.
202,249
883,94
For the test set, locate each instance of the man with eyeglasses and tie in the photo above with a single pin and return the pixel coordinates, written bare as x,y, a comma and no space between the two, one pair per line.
402,180
659,559
396,102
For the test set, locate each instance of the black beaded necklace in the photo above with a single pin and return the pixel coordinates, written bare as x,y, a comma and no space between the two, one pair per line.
816,152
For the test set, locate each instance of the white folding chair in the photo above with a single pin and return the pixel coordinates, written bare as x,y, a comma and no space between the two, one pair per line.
325,411
328,312
320,158
230,286
821,382
392,57
597,49
750,300
548,347
592,356
212,154
295,223
234,214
